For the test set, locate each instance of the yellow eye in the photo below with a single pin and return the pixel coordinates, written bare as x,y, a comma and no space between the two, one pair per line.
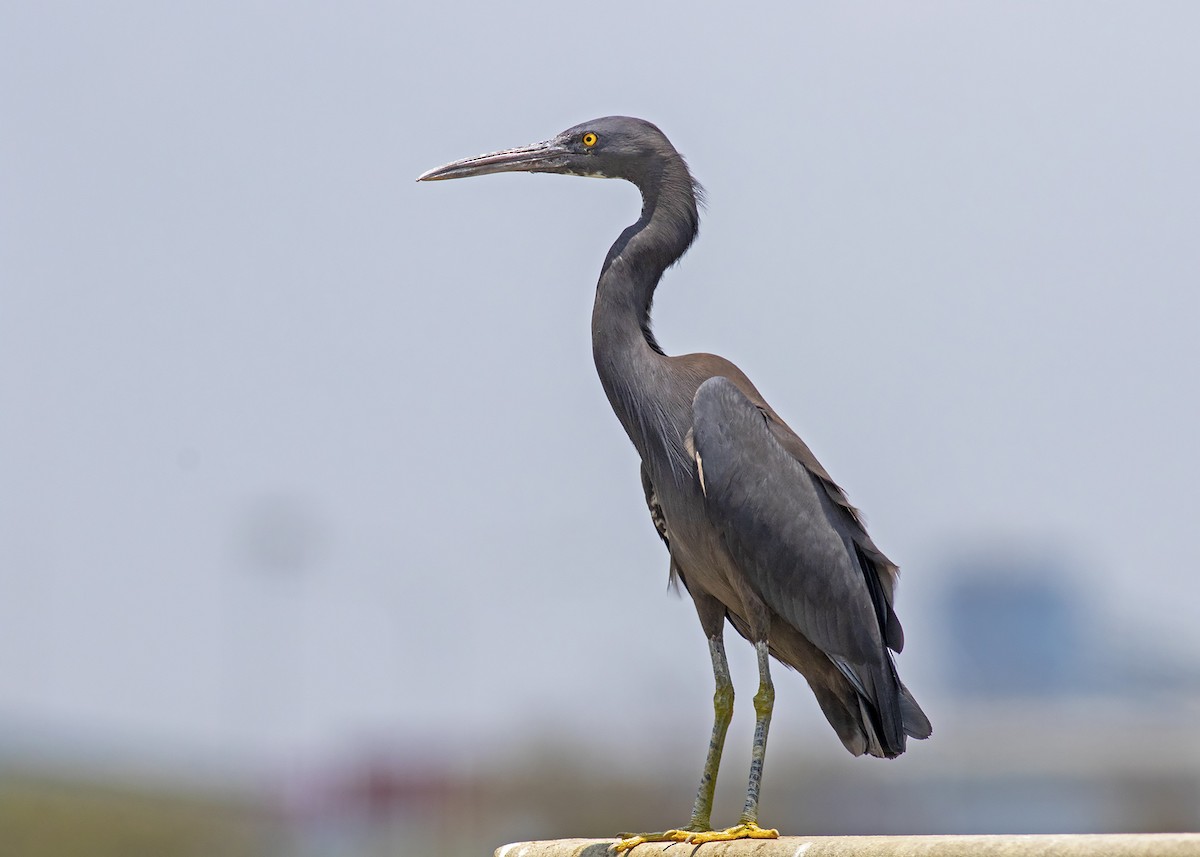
590,139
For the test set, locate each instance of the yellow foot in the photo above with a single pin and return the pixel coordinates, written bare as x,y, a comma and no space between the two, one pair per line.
632,840
745,830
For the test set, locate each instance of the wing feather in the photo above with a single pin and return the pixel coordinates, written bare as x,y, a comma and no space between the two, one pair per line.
805,550
783,526
882,573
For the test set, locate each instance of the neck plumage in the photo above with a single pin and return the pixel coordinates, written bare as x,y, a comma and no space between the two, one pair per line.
628,359
636,261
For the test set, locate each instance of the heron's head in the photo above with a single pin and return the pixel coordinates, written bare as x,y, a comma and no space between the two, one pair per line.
615,147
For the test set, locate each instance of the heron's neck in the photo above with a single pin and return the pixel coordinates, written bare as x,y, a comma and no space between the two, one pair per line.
637,260
628,359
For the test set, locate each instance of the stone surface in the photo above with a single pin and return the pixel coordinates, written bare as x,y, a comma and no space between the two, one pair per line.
1047,845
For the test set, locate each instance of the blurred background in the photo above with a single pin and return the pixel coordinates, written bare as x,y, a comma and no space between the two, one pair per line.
318,537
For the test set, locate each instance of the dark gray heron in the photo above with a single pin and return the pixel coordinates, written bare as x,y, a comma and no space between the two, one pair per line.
757,531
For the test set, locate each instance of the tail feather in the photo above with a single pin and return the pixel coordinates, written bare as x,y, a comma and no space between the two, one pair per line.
870,709
887,712
916,724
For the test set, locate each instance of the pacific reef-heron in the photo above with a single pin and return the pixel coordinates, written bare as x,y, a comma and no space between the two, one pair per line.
757,531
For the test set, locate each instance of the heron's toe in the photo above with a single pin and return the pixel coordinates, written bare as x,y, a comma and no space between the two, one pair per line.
745,830
632,840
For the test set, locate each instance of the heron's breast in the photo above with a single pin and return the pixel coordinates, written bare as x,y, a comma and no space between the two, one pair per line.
696,545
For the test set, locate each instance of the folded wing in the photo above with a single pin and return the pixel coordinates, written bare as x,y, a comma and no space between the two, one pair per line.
803,548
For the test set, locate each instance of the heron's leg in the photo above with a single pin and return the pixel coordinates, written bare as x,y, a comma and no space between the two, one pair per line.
764,701
722,714
712,619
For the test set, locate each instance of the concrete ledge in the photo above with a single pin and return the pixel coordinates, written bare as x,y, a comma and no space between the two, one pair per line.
1047,845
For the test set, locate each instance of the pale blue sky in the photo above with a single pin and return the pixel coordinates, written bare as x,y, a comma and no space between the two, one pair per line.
296,453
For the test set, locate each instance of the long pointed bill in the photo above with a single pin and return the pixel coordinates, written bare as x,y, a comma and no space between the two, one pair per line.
547,157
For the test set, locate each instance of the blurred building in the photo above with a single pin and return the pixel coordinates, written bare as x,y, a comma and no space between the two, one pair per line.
1017,624
1014,629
